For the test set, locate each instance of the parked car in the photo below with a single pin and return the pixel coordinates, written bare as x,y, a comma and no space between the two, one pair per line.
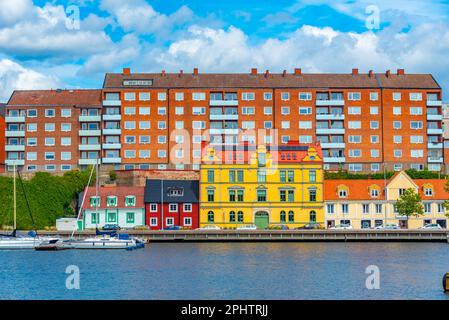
388,226
278,227
342,226
111,227
310,226
172,228
209,227
430,226
247,227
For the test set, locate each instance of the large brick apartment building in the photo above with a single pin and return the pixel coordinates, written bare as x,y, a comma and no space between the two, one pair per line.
364,121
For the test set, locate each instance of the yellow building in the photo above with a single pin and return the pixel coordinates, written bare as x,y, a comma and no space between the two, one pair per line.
370,203
282,186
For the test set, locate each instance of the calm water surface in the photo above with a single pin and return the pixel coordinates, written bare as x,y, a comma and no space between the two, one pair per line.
230,271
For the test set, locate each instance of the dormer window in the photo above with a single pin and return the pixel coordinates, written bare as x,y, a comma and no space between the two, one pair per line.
342,191
94,201
374,193
175,192
130,201
428,190
111,201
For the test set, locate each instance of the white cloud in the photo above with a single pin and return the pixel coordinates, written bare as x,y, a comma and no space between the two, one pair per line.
14,11
14,76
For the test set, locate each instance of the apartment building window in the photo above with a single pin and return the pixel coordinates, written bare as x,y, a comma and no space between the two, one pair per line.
267,125
66,113
375,167
415,111
162,125
31,142
130,139
285,111
144,154
144,139
440,208
397,125
31,156
65,127
144,111
354,139
305,139
416,139
267,96
50,167
179,96
415,96
248,96
305,96
210,195
355,167
161,96
129,154
365,208
427,207
305,125
428,192
66,156
248,111
374,110
354,110
374,124
198,96
285,124
374,153
49,141
416,153
354,96
397,96
285,139
161,139
144,125
355,153
267,111
130,111
198,111
162,154
397,139
261,195
330,208
354,124
312,176
130,96
32,113
417,166
144,96
344,208
397,153
179,111
397,167
248,125
198,125
397,111
162,111
416,125
49,127
374,96
210,176
305,111
268,139
374,139
49,156
66,141
285,96
49,113
130,125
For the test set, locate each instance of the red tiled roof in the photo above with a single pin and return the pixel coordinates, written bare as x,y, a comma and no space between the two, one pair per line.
357,189
119,192
56,98
438,188
274,80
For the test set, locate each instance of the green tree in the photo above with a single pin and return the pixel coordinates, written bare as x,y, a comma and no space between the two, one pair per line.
409,204
446,202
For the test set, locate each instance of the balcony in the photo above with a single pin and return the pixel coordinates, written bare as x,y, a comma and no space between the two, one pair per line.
224,103
112,146
89,147
223,131
434,103
13,134
330,102
89,118
334,159
437,145
87,162
112,132
330,131
333,145
224,117
330,116
112,103
89,133
435,159
18,119
435,131
436,117
112,160
11,147
17,162
112,117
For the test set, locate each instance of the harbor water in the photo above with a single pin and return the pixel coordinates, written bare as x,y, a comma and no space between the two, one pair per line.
229,271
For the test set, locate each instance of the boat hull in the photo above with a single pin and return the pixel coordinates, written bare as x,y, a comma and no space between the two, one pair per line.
19,244
102,244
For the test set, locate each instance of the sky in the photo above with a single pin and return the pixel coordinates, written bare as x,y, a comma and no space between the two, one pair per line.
71,44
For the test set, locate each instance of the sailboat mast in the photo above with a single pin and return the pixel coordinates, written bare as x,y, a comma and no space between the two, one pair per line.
15,196
96,195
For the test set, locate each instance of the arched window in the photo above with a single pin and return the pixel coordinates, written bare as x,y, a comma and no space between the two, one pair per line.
312,216
232,216
283,216
291,216
240,216
210,216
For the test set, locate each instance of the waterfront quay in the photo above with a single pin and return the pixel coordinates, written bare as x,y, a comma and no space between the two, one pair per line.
278,235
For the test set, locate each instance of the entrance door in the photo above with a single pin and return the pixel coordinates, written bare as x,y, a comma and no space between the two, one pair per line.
261,220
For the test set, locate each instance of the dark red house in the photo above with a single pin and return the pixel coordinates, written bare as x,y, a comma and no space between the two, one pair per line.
175,202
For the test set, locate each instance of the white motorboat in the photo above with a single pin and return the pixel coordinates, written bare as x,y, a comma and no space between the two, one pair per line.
103,242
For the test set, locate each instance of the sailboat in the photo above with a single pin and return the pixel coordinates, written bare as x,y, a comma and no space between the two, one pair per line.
102,239
12,240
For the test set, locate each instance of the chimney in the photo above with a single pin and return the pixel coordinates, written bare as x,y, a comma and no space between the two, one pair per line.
267,72
387,74
254,71
195,71
371,73
298,71
126,71
163,73
355,71
401,72
181,72
284,73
